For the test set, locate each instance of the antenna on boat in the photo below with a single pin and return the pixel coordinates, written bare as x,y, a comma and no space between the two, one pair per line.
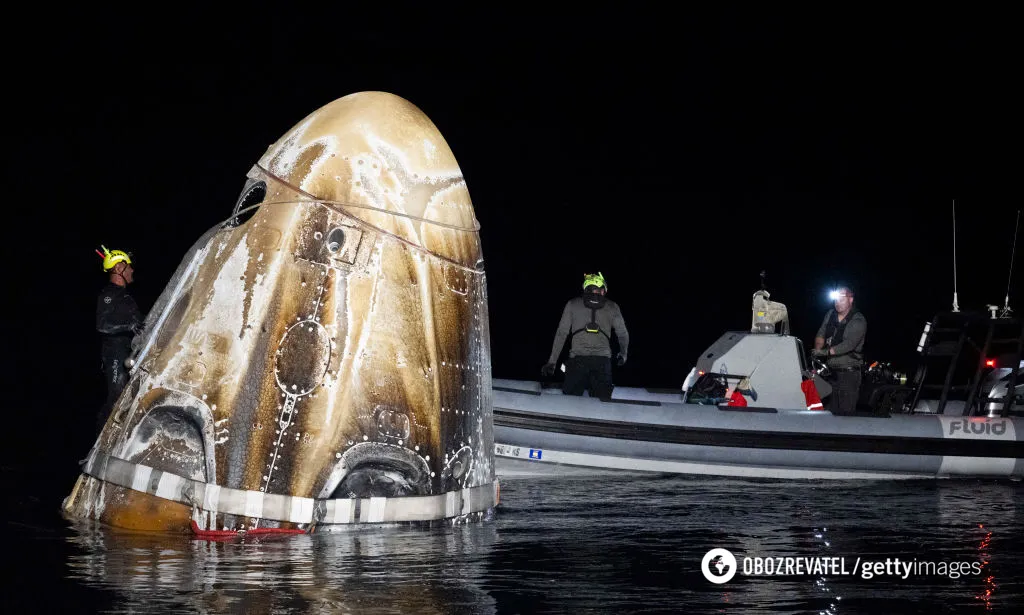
1006,311
763,272
956,308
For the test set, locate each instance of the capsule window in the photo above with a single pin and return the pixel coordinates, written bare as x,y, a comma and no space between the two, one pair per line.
252,195
335,241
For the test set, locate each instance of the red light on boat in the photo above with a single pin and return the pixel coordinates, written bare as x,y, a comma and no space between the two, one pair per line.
990,362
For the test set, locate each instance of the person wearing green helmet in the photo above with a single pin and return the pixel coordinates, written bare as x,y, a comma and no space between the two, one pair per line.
589,321
118,320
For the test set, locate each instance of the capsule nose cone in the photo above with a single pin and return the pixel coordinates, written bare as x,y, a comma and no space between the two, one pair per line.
380,158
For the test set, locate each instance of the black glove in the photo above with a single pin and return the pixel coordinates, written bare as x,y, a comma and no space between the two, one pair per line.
819,352
621,359
548,369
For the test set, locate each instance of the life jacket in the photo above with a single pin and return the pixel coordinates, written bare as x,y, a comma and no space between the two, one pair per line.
595,302
835,329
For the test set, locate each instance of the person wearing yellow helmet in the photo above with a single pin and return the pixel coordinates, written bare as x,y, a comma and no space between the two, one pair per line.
118,320
589,321
111,259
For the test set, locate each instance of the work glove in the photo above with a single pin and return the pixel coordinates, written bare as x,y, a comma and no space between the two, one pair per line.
620,360
819,352
548,369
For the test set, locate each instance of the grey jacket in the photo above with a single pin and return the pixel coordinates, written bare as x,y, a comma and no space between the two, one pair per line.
575,316
849,352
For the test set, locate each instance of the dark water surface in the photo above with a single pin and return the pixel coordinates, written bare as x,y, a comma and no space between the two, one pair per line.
583,545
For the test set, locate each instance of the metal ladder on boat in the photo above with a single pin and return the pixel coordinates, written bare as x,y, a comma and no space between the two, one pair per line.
958,350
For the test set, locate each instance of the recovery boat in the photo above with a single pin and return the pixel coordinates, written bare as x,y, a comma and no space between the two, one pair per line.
750,408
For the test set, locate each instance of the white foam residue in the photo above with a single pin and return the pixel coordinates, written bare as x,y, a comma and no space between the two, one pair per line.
260,293
427,314
340,301
435,175
411,226
223,433
330,144
380,145
185,281
374,271
397,177
100,503
259,301
441,198
288,151
413,181
223,315
396,195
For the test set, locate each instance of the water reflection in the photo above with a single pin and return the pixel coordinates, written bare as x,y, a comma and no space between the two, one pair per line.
602,545
367,570
981,511
990,584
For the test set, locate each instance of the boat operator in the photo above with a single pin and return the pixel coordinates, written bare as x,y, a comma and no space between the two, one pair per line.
840,343
589,320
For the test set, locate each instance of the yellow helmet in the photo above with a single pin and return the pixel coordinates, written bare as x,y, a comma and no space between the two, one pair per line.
594,279
113,257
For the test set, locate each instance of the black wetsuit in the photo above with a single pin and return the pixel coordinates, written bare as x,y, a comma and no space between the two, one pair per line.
118,319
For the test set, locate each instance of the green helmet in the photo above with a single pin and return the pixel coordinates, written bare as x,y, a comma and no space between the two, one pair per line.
594,279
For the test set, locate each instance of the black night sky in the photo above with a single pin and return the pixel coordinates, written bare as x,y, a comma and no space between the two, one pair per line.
678,156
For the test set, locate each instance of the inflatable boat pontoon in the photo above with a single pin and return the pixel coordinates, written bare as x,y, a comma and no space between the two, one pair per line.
924,429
